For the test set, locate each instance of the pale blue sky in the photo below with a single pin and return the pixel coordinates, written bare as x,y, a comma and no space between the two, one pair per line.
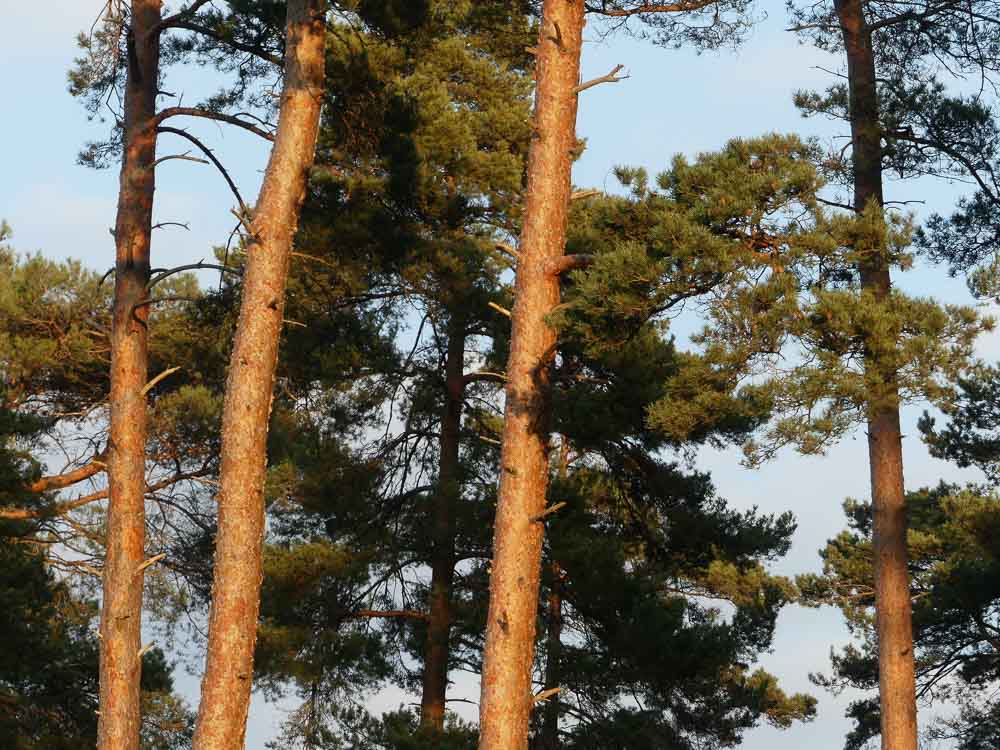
674,101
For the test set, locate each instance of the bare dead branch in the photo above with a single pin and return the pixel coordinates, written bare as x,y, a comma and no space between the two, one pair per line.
548,512
545,695
152,383
611,77
200,265
210,115
500,309
211,156
185,156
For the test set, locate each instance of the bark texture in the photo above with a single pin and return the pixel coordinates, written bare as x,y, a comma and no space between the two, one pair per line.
506,700
121,609
225,688
439,617
897,683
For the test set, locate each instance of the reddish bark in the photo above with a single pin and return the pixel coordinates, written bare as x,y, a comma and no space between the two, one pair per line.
506,699
225,689
897,683
121,611
436,649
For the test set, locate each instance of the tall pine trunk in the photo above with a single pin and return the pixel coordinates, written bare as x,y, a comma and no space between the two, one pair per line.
897,685
121,609
232,630
506,700
436,650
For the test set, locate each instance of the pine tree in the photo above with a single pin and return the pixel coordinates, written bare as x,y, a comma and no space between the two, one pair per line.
787,304
891,59
505,702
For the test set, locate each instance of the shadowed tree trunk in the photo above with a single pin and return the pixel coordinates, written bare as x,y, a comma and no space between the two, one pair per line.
121,609
506,699
897,685
553,653
232,634
435,680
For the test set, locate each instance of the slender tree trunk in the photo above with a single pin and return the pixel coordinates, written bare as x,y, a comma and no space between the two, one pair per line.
506,700
232,630
553,654
121,609
897,685
436,650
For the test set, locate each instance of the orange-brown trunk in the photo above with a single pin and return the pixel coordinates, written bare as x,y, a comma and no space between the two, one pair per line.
897,683
121,608
506,699
232,633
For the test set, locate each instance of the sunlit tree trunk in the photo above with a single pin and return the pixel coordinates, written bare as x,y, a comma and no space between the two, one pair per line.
225,689
121,608
897,685
506,699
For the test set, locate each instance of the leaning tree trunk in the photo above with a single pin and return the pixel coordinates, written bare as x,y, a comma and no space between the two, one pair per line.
435,678
897,684
121,609
506,699
232,629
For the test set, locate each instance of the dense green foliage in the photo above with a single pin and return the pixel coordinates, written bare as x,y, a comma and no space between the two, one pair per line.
953,565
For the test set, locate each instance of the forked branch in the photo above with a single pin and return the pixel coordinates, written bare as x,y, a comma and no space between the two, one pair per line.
611,77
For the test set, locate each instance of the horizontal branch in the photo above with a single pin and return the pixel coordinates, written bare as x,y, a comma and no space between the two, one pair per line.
481,375
60,481
681,7
184,156
565,263
163,224
199,266
61,509
208,114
